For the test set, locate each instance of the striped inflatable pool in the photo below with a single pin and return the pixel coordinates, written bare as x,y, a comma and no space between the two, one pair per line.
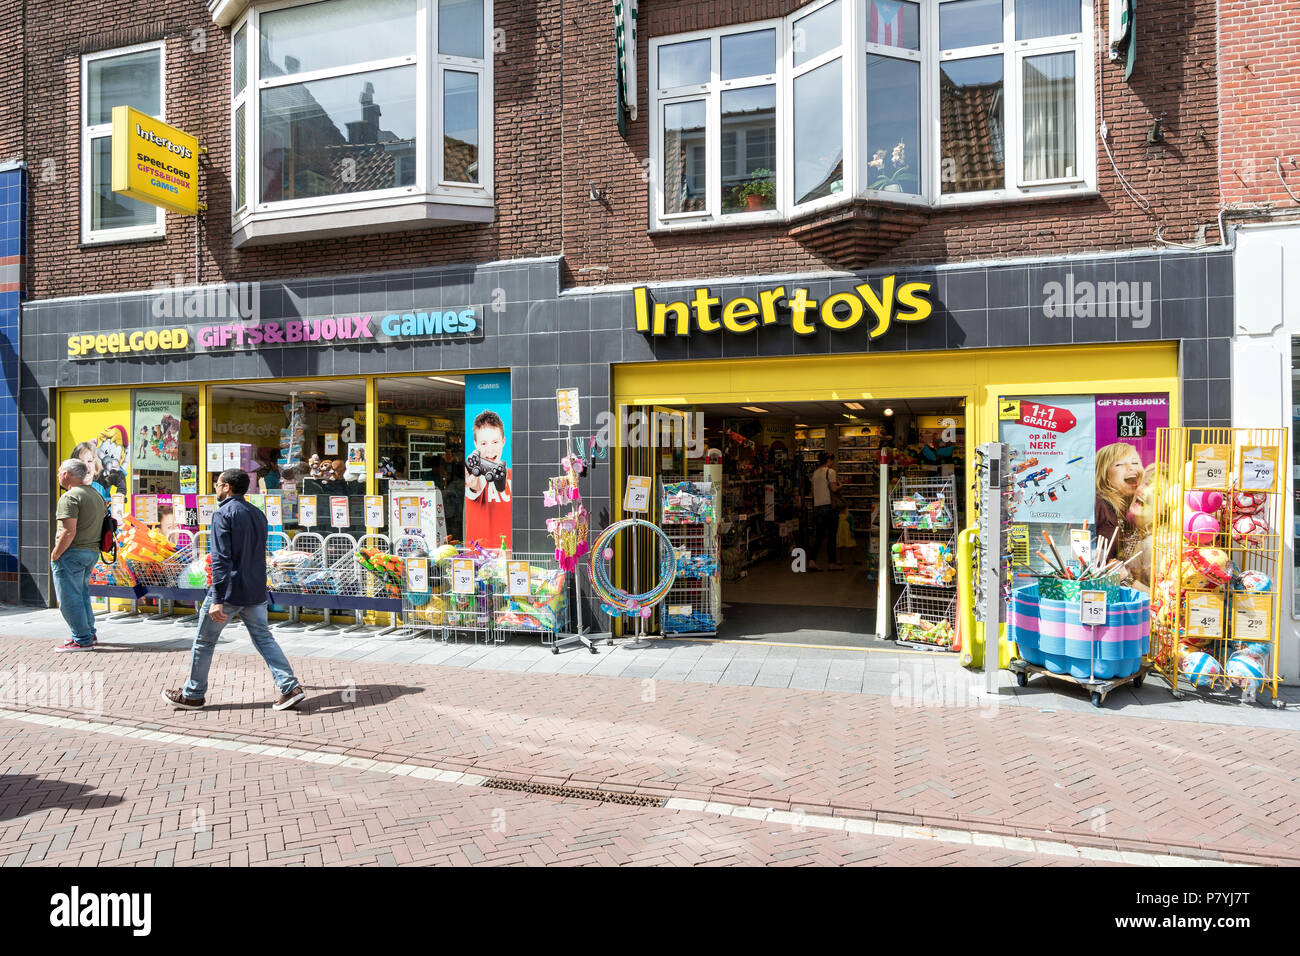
1048,634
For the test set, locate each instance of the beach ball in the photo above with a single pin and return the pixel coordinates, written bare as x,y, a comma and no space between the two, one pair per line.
1199,667
1256,649
1200,528
1206,501
1244,669
1249,528
1248,502
1256,581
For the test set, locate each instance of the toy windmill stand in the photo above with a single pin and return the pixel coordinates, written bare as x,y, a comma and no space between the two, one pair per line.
569,530
1219,507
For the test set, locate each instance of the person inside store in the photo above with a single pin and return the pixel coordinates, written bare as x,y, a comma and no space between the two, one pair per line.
825,488
238,544
268,479
80,513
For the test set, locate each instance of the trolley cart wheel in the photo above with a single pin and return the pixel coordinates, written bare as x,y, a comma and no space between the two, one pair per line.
555,650
1097,698
1021,678
1137,681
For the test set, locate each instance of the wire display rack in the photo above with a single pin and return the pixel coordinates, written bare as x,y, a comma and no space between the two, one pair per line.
693,606
422,614
467,602
543,610
926,617
923,560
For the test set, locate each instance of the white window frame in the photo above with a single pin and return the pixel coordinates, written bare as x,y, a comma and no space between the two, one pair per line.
430,65
853,57
90,133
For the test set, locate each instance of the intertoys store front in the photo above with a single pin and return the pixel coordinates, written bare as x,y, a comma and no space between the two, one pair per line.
725,394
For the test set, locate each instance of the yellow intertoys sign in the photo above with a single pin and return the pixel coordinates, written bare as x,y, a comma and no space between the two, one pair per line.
154,162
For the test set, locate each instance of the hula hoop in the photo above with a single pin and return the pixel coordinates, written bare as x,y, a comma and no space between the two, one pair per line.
615,597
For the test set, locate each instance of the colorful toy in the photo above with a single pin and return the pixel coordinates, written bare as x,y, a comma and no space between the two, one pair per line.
198,573
1245,668
1249,529
1256,581
923,562
1200,528
1248,502
1209,502
688,502
615,600
1199,667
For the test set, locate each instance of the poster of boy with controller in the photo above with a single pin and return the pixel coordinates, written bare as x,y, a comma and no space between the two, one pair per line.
488,478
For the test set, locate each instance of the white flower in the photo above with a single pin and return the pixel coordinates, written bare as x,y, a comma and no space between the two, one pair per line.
878,161
897,158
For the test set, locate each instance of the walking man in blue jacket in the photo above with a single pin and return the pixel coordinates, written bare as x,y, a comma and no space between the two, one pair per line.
238,589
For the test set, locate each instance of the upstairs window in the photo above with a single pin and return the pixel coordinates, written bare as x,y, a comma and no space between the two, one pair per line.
340,102
933,102
132,76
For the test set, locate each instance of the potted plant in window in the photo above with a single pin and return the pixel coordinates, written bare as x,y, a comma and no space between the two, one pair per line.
890,172
759,192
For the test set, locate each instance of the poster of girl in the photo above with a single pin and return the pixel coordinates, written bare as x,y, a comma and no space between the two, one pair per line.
1121,476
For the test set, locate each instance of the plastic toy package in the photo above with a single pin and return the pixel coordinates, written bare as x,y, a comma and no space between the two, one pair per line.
689,623
921,514
695,565
688,502
298,572
388,569
542,610
924,562
917,631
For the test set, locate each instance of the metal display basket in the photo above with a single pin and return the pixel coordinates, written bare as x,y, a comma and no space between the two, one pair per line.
166,574
421,613
470,614
926,617
543,611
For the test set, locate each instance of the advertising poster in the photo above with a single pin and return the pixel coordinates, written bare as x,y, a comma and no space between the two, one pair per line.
156,430
488,478
1092,457
93,426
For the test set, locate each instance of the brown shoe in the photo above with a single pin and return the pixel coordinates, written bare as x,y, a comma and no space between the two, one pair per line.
290,699
178,700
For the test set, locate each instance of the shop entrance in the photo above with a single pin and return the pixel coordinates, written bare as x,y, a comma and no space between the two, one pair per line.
756,428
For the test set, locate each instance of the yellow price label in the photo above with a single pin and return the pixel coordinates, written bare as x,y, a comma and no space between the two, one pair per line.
1252,617
1205,614
1210,465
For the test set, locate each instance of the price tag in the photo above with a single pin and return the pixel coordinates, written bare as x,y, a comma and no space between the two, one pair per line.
207,508
637,498
518,571
331,443
462,575
146,508
417,574
1210,466
307,511
1252,617
566,406
1205,614
339,511
1092,608
274,513
1080,544
409,513
119,508
1258,469
374,511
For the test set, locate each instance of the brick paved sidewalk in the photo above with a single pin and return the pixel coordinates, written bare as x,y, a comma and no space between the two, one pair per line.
1131,784
124,802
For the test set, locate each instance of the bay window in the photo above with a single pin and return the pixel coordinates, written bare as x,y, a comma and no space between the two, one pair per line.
925,102
354,116
131,76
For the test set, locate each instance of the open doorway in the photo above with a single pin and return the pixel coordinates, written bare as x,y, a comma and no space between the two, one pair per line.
798,511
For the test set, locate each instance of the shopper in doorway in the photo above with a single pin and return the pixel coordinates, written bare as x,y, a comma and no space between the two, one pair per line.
845,541
80,513
825,487
238,590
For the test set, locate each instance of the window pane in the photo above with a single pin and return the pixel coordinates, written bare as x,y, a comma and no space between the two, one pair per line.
108,210
343,135
460,28
683,64
1049,117
335,33
749,123
239,60
893,124
460,126
685,160
239,157
969,23
818,133
817,33
133,79
1046,18
894,23
749,54
971,153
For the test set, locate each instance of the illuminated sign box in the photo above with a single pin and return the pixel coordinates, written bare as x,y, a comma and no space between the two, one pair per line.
154,162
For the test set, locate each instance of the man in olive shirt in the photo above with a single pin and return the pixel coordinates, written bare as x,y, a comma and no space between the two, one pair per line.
80,513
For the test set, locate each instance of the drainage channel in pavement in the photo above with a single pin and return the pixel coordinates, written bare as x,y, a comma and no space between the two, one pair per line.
878,828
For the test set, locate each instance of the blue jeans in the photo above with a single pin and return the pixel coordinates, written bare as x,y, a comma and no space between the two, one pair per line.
205,643
72,587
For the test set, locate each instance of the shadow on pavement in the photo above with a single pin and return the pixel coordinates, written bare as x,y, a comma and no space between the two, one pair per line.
22,794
